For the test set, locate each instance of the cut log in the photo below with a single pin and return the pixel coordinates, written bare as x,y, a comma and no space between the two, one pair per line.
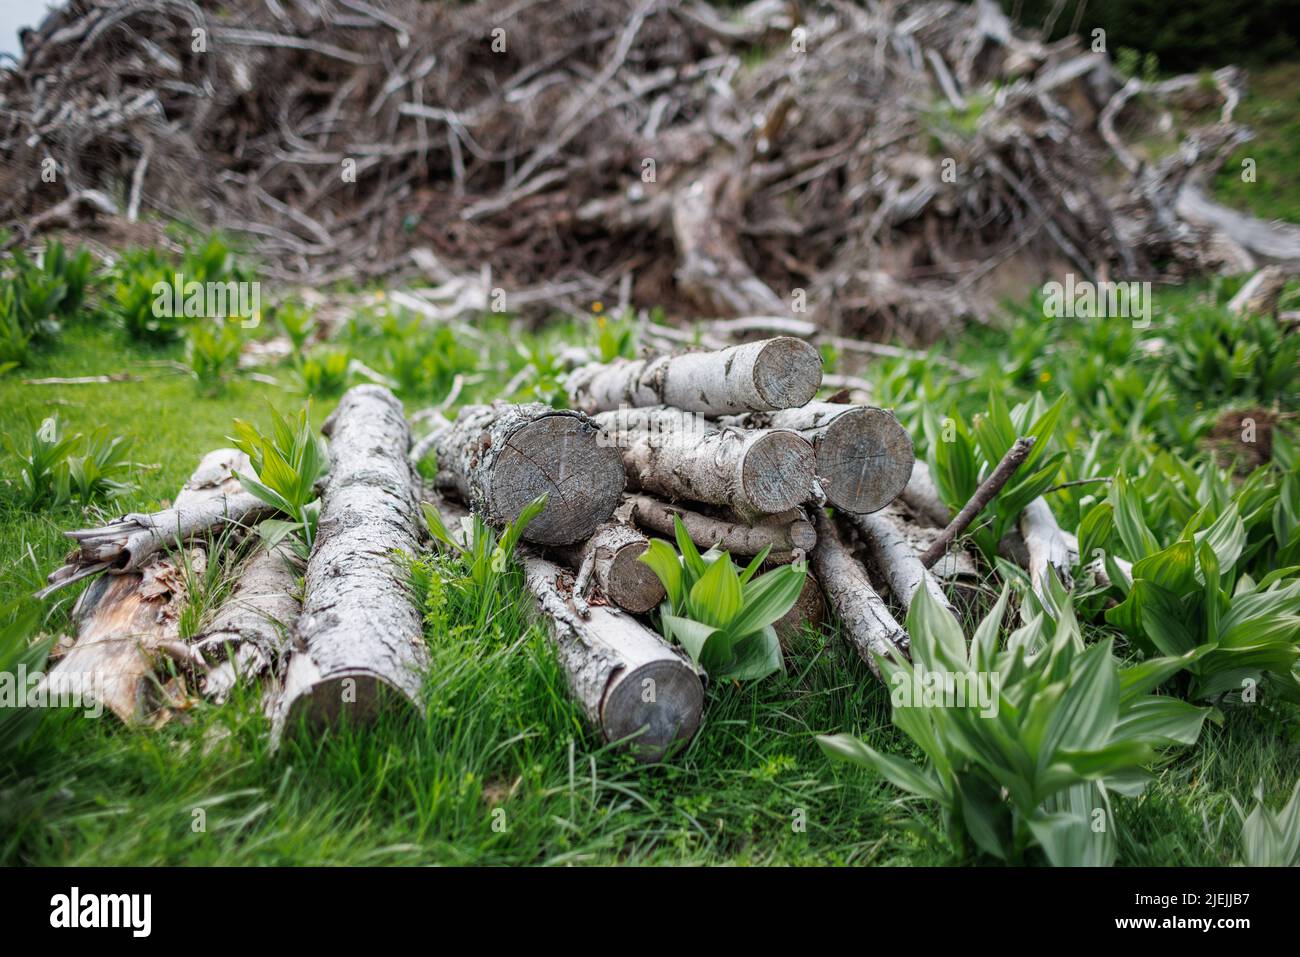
501,457
611,559
755,377
128,543
681,456
360,636
894,557
249,636
864,456
863,615
788,534
125,620
632,685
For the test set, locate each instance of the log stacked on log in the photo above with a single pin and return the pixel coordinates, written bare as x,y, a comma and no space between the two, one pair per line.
499,458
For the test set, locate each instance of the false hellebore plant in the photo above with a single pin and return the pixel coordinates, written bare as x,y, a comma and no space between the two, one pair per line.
1193,599
287,463
1069,727
722,616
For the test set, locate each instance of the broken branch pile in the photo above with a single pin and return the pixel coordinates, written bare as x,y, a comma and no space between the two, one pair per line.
885,167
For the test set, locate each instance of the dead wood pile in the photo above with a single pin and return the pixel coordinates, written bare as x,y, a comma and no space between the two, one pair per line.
891,167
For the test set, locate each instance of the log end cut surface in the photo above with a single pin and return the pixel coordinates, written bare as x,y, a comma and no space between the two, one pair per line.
788,372
864,460
558,455
354,699
777,473
632,585
661,700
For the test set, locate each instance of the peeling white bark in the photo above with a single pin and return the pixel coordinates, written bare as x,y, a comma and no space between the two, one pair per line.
124,621
864,456
754,377
789,534
892,554
128,543
249,635
630,682
360,638
681,456
864,618
499,458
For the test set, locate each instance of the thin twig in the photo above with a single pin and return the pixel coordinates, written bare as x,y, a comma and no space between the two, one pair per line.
983,495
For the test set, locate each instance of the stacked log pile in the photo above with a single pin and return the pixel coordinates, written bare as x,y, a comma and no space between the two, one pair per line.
711,438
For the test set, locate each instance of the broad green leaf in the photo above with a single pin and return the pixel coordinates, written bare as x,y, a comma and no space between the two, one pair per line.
902,774
715,598
691,635
937,640
768,598
1160,721
691,560
754,656
663,561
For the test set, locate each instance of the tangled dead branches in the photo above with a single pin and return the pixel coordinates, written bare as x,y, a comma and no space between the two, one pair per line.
893,166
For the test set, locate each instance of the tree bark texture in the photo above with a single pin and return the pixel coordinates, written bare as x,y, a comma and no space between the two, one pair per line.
755,377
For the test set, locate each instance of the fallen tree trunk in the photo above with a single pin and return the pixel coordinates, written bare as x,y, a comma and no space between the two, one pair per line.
125,621
128,543
611,559
678,455
755,377
360,635
501,457
863,615
787,534
249,636
863,456
632,685
899,565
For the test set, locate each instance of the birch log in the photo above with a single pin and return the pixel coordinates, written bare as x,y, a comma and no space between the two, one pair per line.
125,621
680,456
360,636
863,615
631,684
611,558
787,533
754,377
863,456
128,543
501,457
893,555
248,637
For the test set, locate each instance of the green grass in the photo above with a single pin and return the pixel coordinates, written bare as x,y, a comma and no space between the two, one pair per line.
503,769
1271,109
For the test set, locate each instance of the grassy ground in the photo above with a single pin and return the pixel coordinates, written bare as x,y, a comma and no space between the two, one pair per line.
503,770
